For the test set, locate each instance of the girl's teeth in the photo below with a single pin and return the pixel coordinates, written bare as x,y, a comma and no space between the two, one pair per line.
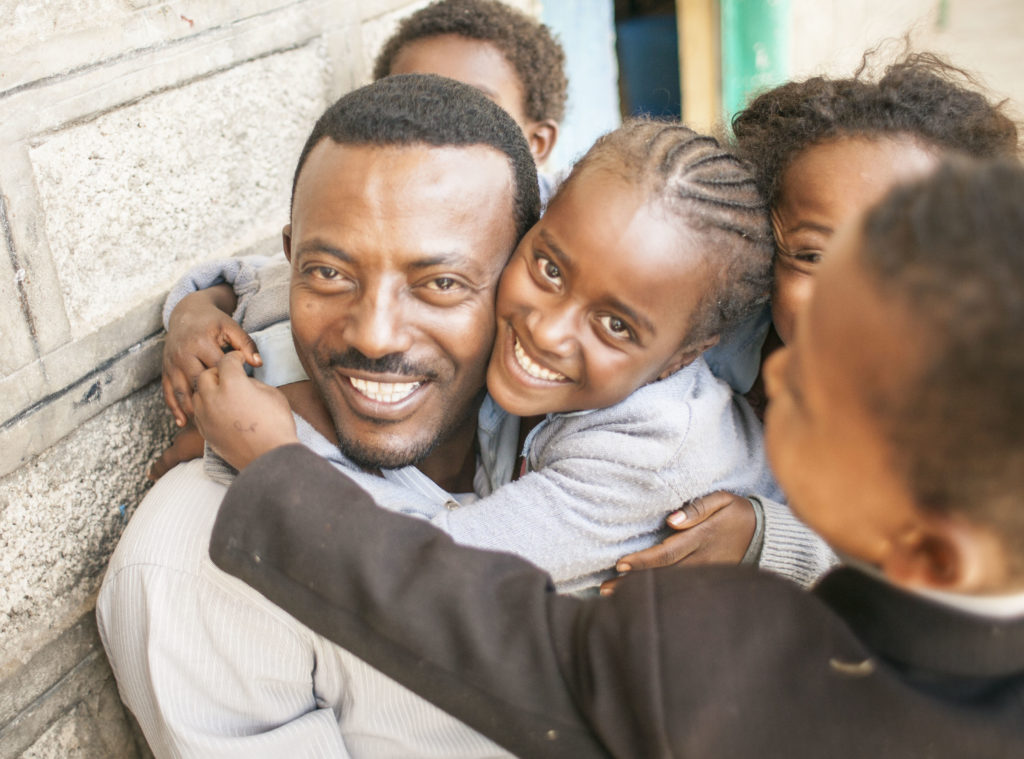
384,392
532,368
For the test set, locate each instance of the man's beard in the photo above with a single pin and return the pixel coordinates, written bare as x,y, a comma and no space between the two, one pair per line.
373,456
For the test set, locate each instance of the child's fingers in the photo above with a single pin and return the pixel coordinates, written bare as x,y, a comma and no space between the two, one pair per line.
172,401
700,509
671,550
178,393
238,339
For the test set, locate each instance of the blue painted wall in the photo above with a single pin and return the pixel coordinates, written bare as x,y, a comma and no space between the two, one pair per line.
586,29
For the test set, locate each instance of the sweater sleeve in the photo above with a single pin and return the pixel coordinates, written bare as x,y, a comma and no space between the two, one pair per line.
790,548
244,276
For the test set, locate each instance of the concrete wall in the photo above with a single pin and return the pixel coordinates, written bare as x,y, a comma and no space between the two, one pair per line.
137,137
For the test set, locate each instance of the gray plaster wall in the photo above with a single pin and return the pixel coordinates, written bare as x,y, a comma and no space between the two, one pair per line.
137,138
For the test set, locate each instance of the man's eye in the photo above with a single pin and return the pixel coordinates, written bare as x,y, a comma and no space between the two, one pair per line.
325,272
443,284
615,326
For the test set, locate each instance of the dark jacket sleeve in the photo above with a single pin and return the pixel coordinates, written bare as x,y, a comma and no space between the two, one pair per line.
675,663
482,635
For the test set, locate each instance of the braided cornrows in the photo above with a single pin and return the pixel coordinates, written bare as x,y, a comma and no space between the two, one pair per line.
712,196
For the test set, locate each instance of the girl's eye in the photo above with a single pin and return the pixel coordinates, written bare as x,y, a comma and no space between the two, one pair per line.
808,256
616,327
549,269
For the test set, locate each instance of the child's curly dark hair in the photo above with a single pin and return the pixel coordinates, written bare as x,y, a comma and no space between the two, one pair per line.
528,45
921,96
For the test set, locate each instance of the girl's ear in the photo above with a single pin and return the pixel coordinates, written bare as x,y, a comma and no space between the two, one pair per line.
541,137
686,355
947,552
286,241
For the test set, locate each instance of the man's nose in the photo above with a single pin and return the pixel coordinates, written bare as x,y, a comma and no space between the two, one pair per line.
377,324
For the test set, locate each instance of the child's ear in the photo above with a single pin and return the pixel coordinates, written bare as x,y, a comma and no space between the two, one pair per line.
286,241
686,355
541,137
943,552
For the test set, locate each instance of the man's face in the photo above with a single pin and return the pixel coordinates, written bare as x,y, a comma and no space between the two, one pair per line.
826,445
395,255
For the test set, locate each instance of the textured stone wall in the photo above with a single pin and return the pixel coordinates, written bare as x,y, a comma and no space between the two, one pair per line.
137,138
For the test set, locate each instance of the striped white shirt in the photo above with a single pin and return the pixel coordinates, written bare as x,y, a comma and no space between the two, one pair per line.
212,669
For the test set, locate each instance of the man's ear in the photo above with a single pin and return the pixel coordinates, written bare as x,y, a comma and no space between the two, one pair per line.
541,136
286,241
947,552
686,355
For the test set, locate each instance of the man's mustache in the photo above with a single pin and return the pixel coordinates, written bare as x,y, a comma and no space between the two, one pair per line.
392,363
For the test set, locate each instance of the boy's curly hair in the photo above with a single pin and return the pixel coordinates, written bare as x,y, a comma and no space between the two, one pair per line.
921,96
528,45
948,248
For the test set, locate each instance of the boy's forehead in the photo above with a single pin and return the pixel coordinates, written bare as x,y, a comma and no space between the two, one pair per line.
478,63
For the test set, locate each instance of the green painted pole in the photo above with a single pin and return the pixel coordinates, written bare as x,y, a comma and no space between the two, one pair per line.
755,49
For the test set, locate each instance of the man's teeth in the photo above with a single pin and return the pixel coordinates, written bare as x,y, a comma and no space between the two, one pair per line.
384,392
532,368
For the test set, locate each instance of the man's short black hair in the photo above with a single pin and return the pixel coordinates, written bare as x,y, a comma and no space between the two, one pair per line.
949,249
423,109
527,45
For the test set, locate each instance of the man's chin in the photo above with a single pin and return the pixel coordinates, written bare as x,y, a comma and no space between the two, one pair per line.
371,457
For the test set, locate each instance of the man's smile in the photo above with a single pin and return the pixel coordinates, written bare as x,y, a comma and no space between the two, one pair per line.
384,392
382,397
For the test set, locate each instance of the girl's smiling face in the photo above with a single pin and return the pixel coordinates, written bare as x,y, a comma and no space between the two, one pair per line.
825,186
597,300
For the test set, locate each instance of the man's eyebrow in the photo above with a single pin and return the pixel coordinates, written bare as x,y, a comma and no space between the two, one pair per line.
614,303
317,245
440,259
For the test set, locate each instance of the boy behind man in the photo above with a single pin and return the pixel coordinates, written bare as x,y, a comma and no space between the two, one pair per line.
893,425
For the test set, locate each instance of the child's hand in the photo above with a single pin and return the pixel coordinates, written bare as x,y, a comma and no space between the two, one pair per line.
241,418
197,333
187,445
713,529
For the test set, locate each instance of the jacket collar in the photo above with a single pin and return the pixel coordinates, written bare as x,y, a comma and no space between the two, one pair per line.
918,632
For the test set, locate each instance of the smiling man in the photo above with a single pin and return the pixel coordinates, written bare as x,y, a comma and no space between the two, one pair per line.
409,196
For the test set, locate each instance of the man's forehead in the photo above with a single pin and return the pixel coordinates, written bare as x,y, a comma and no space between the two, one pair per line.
333,168
448,200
